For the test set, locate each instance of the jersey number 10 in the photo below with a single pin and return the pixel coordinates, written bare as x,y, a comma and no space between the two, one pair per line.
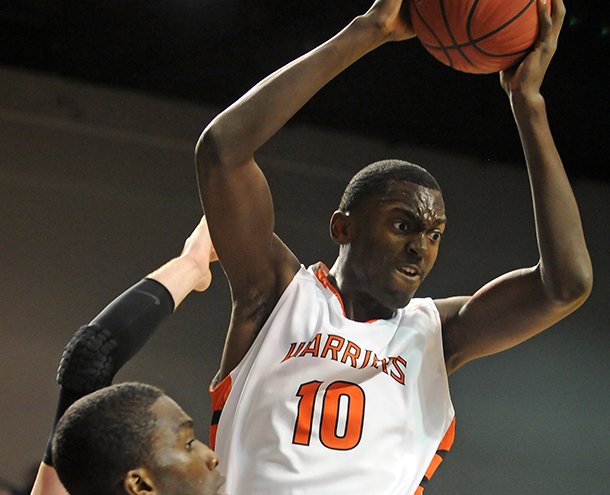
329,418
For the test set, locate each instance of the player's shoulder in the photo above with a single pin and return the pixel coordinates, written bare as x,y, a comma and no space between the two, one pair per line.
449,307
421,312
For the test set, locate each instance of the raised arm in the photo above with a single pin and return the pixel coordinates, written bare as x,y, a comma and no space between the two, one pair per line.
97,351
234,191
522,303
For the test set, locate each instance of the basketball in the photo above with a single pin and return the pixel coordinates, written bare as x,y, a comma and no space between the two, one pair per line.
476,36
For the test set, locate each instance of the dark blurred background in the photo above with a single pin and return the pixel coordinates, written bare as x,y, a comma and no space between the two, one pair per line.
100,106
211,51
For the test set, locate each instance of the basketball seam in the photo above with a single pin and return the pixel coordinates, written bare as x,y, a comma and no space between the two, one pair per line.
448,27
473,41
497,30
433,33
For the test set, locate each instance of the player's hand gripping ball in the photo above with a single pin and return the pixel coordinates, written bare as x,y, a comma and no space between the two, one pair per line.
476,36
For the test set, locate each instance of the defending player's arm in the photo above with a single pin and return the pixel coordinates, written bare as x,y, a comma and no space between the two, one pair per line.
233,189
97,351
522,303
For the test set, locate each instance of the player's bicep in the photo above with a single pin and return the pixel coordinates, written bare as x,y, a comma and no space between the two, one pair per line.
239,209
503,313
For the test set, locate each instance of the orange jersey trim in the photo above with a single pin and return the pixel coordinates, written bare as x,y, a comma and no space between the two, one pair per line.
321,271
219,394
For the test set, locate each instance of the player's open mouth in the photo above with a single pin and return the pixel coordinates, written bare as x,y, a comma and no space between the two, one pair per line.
411,272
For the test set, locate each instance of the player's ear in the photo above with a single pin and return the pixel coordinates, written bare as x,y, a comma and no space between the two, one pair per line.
139,482
341,227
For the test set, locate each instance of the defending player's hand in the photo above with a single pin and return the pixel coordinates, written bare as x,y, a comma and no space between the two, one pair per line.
526,78
199,248
392,17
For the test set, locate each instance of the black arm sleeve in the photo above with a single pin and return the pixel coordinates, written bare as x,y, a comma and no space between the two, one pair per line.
97,351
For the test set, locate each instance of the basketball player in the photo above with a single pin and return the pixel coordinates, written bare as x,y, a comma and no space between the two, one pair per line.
335,380
133,439
90,361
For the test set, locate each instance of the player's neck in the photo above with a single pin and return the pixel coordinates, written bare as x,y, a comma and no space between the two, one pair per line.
357,302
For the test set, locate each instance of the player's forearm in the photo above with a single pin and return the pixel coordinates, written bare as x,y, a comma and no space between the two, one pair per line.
179,276
234,136
564,259
47,482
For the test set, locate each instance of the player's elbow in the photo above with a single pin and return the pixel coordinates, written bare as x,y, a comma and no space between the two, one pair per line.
575,296
573,290
215,149
208,150
581,288
89,361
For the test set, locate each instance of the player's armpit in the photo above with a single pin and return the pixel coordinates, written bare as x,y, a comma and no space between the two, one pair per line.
251,308
448,309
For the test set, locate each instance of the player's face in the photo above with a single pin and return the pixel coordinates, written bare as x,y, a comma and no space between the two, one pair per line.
183,464
395,240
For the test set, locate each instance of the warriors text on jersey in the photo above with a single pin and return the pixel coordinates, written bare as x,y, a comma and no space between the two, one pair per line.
322,404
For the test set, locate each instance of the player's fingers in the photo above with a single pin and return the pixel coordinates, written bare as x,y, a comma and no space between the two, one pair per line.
550,26
558,13
546,22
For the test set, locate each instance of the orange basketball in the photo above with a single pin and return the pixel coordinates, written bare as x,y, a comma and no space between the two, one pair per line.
476,36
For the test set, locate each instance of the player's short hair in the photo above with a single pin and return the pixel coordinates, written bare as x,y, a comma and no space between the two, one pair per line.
104,435
374,177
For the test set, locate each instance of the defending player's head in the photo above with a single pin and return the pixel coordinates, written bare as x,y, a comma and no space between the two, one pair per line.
129,439
388,226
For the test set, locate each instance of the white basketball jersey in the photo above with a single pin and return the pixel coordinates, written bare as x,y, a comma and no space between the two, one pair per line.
322,404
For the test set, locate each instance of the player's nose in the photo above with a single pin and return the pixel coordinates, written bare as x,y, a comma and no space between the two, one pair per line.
211,460
417,244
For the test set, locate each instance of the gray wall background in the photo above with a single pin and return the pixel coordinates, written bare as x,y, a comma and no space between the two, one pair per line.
97,188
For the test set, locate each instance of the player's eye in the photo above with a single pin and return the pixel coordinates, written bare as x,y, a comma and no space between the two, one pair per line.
436,235
189,444
401,226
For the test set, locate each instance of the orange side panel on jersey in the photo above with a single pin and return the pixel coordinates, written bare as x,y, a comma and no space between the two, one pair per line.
436,461
219,395
449,438
443,447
